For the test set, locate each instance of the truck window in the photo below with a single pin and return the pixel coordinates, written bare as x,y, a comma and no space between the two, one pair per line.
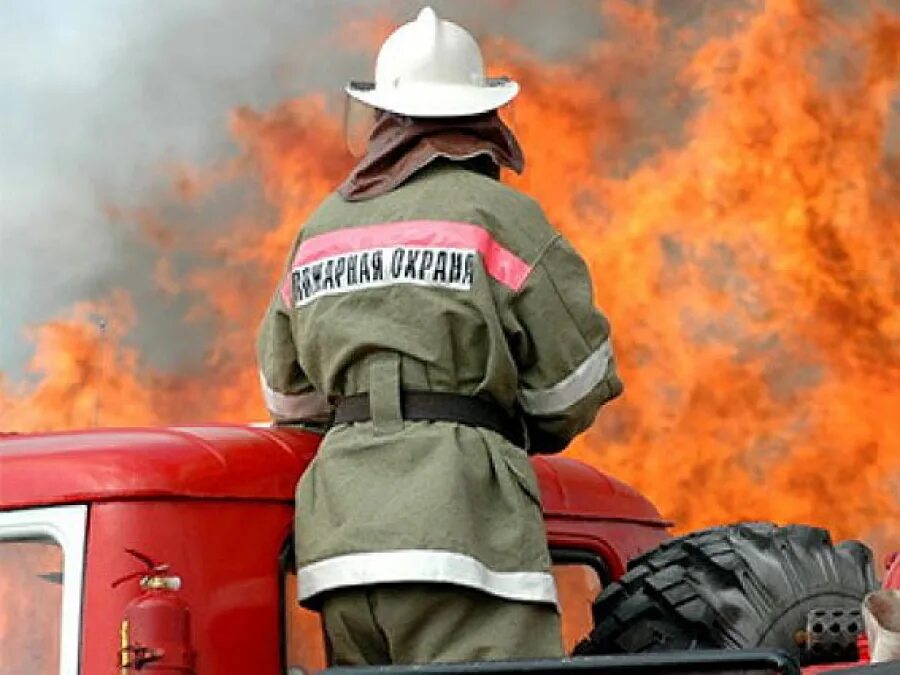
31,585
578,584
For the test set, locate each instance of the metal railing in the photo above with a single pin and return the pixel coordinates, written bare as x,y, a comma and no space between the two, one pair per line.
716,662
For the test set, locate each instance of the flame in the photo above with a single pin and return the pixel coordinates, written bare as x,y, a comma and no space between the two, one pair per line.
753,301
734,186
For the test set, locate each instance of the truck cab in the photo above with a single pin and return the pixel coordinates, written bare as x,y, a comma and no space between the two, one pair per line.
84,513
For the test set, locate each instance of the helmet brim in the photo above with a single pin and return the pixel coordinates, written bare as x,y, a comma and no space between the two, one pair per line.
436,100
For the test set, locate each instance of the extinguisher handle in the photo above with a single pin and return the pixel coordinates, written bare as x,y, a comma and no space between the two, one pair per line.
151,568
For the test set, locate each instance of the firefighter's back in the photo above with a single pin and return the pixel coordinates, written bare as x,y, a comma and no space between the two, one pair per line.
407,292
426,272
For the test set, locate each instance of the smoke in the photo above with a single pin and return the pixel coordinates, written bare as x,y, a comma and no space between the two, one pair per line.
105,97
103,103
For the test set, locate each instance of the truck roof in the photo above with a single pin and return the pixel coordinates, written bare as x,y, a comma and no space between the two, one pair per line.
238,462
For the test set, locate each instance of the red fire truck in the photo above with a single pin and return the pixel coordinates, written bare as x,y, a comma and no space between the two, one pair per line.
169,551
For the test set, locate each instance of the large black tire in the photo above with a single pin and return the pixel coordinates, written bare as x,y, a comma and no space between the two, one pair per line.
741,586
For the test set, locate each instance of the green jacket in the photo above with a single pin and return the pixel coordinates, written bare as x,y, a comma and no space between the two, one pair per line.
454,283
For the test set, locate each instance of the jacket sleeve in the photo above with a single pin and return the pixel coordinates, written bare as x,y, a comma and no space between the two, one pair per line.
290,396
561,343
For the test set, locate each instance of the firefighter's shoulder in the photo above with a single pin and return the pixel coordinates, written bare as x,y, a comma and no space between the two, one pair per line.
513,217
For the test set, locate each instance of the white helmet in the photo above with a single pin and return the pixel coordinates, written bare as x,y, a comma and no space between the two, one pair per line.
432,68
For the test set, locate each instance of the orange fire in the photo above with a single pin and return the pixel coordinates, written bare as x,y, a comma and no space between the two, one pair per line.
742,251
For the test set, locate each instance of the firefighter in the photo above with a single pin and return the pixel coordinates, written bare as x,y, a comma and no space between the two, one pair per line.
443,330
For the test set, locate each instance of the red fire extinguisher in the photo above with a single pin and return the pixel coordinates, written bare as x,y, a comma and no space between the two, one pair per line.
155,633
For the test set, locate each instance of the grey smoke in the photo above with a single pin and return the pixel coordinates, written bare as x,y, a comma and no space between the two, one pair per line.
98,97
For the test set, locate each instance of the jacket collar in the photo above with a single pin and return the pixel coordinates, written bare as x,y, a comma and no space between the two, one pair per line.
402,146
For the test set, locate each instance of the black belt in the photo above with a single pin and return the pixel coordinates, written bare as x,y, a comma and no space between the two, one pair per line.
435,406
